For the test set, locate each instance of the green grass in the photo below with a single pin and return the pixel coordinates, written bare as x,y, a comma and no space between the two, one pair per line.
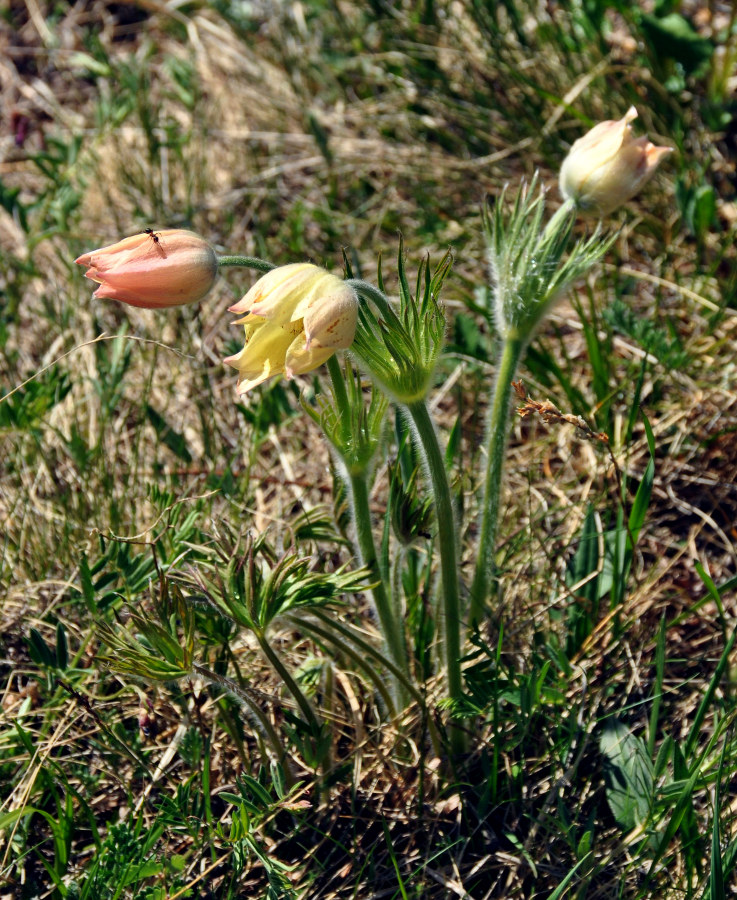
150,743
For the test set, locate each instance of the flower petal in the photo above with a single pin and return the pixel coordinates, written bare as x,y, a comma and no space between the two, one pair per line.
263,354
301,359
276,293
331,320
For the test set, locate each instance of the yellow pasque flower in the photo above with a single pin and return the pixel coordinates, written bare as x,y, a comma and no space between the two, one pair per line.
297,316
608,166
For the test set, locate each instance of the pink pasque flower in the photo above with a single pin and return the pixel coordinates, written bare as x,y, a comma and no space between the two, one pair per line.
153,269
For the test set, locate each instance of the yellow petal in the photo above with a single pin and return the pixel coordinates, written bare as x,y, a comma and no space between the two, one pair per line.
263,354
331,320
301,359
275,294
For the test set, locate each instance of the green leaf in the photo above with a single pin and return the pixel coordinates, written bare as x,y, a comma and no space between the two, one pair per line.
62,651
674,37
25,738
583,848
641,503
453,447
708,697
40,651
728,861
145,870
468,339
585,564
657,689
713,592
628,773
25,406
558,892
258,790
716,876
85,580
704,211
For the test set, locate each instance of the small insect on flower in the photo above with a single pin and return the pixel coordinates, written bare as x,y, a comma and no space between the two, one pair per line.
156,238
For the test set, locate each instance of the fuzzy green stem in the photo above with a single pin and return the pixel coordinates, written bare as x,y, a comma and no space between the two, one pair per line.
369,292
391,627
485,575
290,683
341,398
449,562
232,687
249,262
566,211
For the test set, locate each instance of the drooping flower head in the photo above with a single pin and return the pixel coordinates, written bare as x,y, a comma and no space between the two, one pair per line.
153,269
297,316
608,166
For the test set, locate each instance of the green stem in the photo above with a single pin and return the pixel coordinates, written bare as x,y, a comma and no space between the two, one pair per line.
341,399
369,292
250,262
449,562
261,720
566,211
391,628
290,683
485,575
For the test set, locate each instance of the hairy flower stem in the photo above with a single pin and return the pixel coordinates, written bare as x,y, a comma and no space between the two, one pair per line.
449,562
249,262
341,399
302,702
391,626
484,579
367,290
563,217
262,722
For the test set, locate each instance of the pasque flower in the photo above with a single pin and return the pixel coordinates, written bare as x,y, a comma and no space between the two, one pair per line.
297,316
608,166
153,269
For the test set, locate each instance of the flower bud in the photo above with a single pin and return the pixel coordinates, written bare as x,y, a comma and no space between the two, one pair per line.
297,316
153,269
608,166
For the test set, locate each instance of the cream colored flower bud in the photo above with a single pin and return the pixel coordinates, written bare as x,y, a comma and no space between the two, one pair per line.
608,166
297,316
